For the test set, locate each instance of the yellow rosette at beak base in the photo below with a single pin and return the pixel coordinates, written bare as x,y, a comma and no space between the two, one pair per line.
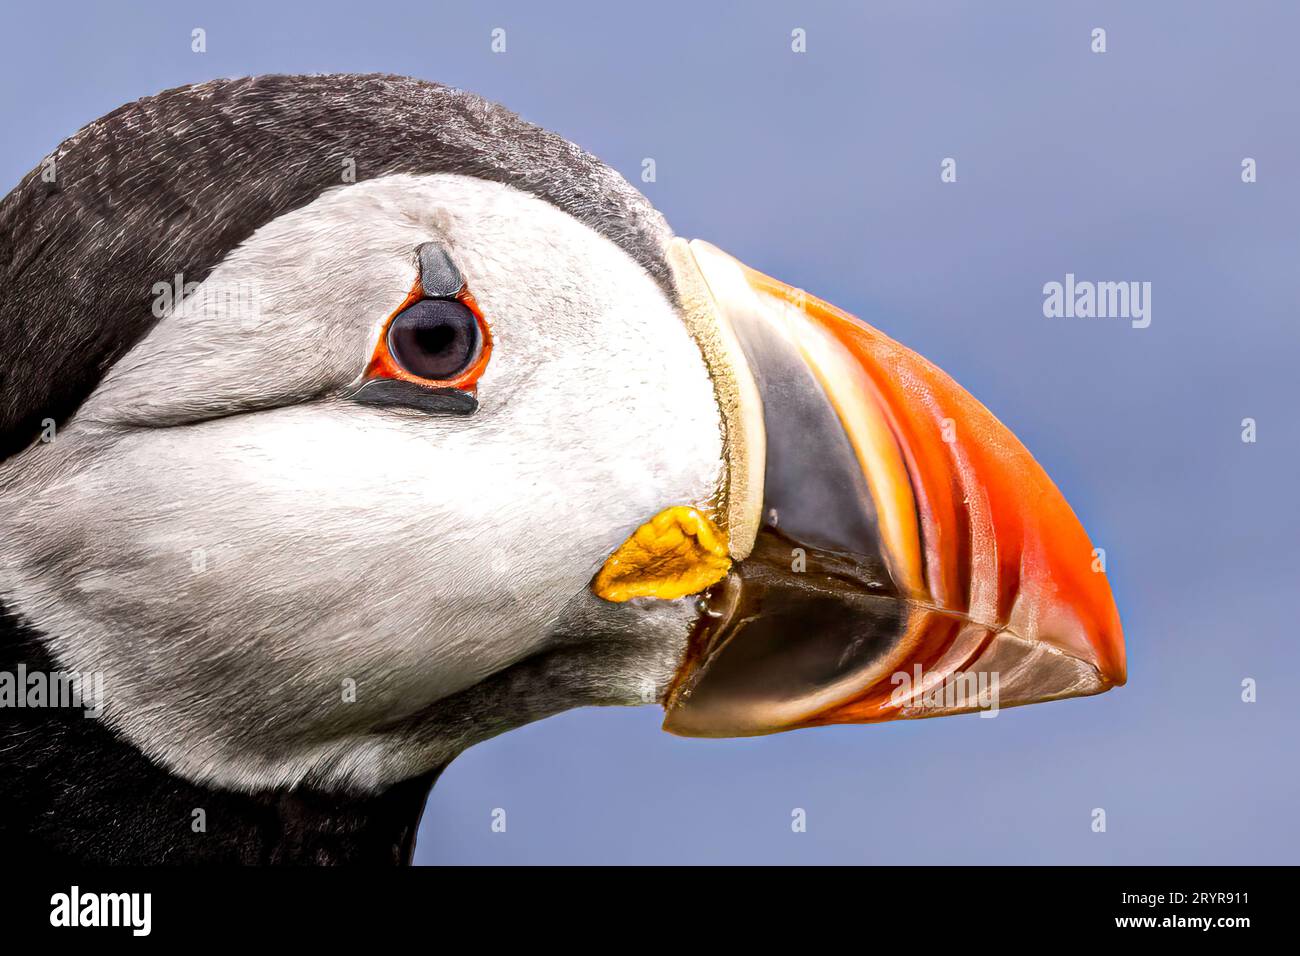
677,552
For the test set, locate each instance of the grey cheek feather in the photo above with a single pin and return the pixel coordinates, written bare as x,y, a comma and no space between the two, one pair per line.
600,655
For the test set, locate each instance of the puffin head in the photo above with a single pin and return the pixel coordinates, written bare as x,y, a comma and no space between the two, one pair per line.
350,420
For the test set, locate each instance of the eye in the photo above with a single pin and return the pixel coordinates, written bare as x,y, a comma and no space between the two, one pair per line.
432,350
435,339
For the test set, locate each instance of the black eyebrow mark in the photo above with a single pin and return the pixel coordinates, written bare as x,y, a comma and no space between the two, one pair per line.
439,276
391,393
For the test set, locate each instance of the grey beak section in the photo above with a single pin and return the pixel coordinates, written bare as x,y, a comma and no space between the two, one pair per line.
814,492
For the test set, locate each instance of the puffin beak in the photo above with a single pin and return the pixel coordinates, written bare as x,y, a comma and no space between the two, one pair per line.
891,549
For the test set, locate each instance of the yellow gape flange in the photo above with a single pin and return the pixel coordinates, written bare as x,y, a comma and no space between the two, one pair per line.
677,552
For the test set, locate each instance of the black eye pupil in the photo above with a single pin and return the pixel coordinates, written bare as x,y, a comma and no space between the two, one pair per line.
435,339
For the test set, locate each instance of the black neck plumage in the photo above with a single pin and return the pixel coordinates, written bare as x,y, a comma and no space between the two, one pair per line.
71,790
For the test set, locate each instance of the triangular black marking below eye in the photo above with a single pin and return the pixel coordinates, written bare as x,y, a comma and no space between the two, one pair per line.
439,276
394,393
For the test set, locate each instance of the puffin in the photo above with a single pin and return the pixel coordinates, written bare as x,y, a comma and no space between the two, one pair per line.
347,421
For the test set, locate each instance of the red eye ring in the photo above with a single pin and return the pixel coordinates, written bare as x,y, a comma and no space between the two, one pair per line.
383,364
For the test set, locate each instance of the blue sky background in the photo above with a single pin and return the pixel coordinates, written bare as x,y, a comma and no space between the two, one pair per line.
823,169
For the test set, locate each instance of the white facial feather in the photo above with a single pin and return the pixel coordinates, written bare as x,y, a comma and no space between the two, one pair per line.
229,539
